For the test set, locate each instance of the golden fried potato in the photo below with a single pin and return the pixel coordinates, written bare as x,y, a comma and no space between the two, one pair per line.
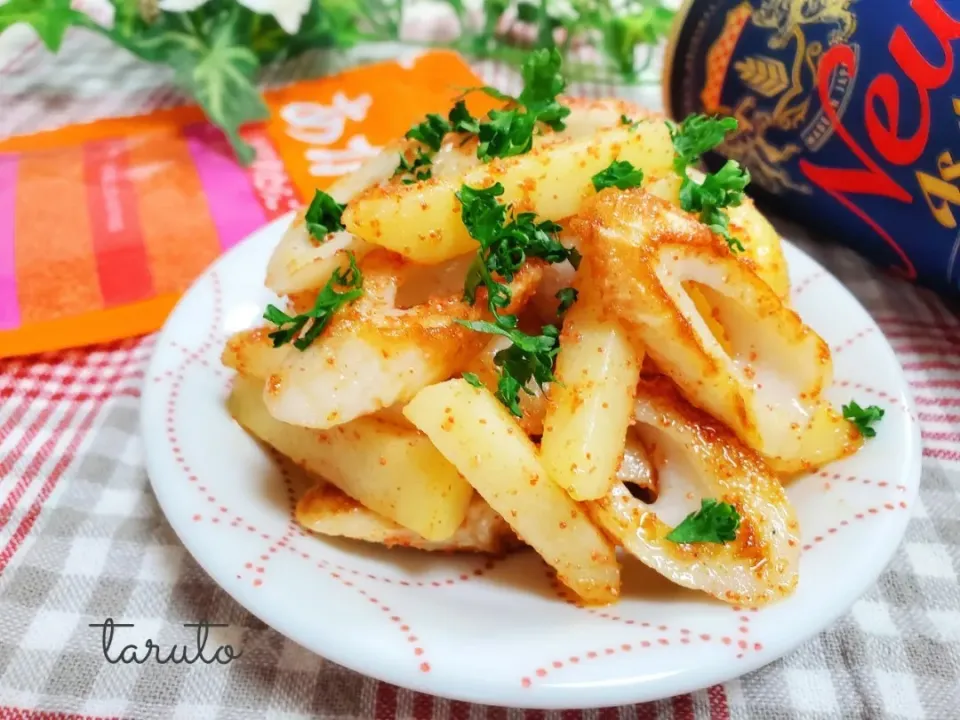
327,510
394,471
422,221
252,354
479,436
373,354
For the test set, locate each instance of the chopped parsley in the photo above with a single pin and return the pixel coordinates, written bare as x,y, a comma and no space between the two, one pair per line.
567,297
323,216
507,241
863,418
632,124
506,133
530,357
329,300
505,246
430,132
718,190
510,131
714,522
621,174
419,169
696,135
472,379
461,120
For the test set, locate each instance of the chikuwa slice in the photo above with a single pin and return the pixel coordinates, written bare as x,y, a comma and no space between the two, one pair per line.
687,457
764,377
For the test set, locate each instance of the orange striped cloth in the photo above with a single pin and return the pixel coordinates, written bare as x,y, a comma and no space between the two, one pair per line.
103,225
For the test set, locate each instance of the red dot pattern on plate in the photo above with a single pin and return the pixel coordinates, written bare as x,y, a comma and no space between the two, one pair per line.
840,347
683,637
880,394
802,285
833,530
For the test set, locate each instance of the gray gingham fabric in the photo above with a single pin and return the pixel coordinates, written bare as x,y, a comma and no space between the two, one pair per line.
82,538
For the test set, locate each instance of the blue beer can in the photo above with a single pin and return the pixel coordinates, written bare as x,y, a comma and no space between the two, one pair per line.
848,117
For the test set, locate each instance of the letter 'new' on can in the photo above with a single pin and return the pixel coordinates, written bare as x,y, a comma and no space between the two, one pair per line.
849,116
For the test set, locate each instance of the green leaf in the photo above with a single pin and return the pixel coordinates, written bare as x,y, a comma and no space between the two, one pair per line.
323,216
567,297
624,33
863,418
696,135
473,379
430,132
461,119
721,189
507,133
49,18
328,302
419,169
218,70
620,174
714,522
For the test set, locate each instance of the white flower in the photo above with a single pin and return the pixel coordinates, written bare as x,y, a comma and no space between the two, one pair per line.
288,13
179,5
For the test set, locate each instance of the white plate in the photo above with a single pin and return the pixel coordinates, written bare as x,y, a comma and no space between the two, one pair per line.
495,631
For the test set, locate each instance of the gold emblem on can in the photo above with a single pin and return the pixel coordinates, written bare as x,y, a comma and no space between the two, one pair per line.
780,86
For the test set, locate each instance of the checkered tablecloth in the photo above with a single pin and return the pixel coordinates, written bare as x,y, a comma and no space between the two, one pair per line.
82,537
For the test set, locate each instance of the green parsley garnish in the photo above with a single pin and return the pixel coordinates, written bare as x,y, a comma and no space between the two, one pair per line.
510,132
542,84
430,132
506,133
329,300
721,189
696,135
863,418
506,242
472,379
505,246
714,522
419,168
529,357
323,216
620,174
567,297
632,124
461,120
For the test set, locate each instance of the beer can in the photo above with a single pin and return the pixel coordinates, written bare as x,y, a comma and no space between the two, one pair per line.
848,117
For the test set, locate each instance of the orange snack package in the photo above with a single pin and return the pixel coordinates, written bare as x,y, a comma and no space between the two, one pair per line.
103,225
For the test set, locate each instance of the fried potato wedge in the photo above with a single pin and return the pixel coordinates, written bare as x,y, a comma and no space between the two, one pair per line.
763,247
478,435
373,354
422,221
590,406
394,471
300,262
695,456
327,510
252,354
645,255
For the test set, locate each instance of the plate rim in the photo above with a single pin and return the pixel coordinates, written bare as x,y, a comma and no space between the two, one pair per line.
355,656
